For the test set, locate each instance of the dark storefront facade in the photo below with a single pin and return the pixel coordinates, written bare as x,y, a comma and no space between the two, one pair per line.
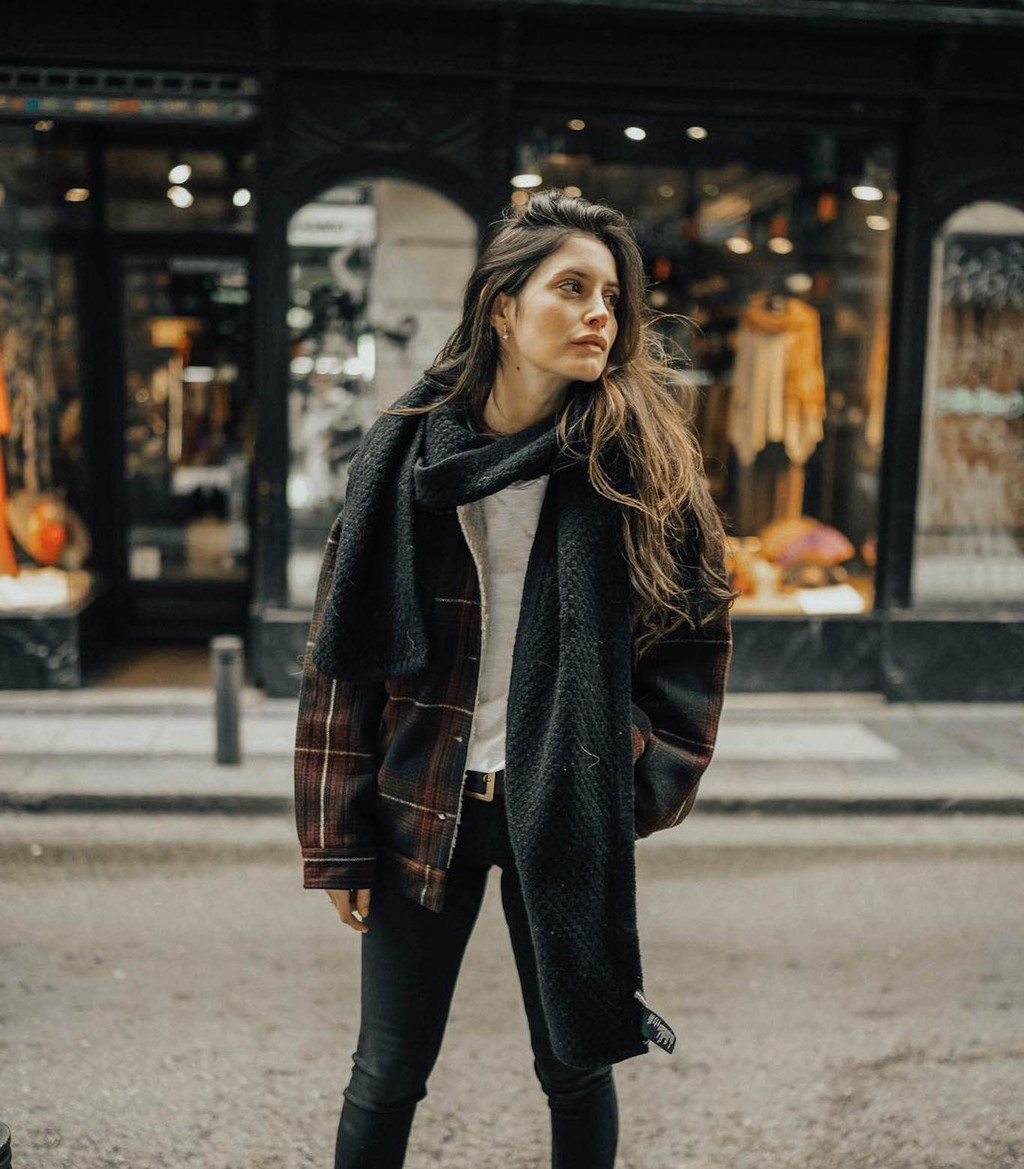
277,220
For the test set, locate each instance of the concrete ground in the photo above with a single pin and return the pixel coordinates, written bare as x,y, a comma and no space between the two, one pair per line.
153,749
848,992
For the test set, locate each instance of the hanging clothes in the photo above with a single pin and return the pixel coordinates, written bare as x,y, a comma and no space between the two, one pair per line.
778,390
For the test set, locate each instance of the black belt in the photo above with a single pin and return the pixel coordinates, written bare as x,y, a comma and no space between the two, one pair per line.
485,785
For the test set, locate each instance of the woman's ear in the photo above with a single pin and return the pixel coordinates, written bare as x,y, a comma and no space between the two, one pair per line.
500,312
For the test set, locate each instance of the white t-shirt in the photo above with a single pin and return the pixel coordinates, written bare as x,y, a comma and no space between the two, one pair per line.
510,519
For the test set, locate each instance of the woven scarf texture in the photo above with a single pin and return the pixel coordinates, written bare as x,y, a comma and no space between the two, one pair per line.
568,768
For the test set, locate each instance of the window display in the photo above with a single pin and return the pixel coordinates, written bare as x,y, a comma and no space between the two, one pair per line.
769,257
377,273
189,416
969,538
44,543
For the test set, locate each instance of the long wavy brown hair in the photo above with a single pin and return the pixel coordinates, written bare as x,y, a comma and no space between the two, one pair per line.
673,534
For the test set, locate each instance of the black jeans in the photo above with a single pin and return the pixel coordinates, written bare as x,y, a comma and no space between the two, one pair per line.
410,962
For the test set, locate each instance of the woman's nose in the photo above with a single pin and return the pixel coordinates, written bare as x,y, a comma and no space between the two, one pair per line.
597,313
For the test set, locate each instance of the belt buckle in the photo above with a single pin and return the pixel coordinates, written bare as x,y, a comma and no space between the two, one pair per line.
488,794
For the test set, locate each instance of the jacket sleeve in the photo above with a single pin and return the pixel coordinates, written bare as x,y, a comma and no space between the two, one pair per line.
335,763
678,691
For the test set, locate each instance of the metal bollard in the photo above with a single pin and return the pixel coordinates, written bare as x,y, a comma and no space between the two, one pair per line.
226,652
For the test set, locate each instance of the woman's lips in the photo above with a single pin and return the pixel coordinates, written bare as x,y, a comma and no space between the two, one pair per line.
591,345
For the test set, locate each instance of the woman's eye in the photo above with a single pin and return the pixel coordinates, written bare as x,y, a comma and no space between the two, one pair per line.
574,283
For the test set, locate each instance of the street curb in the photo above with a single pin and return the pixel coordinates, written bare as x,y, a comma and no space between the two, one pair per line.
156,804
862,805
86,803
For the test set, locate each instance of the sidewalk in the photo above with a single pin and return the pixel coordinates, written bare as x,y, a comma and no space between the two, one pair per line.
152,750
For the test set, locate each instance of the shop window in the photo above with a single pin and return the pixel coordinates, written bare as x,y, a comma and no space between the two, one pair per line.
45,547
170,189
969,538
44,185
769,256
189,417
378,269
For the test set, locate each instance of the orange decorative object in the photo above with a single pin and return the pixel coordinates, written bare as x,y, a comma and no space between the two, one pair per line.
8,560
46,533
48,530
804,540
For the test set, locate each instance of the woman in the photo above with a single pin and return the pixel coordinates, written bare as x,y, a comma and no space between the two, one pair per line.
518,653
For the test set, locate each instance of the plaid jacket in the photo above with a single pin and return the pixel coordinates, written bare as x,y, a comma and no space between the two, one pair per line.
379,768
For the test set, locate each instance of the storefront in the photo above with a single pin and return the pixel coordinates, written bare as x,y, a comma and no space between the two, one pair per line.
833,218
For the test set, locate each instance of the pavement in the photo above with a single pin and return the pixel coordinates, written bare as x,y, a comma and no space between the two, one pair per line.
151,749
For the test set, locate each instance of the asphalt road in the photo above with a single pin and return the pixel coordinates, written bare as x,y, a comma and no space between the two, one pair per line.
848,992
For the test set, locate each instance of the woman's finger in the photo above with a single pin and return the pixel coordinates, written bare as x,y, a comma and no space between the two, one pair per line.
363,902
343,904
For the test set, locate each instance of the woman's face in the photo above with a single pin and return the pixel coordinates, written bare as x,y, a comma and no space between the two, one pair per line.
570,295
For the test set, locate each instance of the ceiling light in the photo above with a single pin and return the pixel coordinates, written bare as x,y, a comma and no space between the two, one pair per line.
868,188
180,173
180,196
637,133
867,192
739,243
43,125
878,222
780,245
527,179
242,197
76,194
697,133
576,124
572,192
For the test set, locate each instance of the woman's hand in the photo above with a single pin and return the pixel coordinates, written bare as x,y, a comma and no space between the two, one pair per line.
347,901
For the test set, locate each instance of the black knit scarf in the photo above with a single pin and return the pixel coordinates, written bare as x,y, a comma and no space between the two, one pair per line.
568,763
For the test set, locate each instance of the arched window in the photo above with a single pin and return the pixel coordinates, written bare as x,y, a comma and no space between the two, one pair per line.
969,534
377,272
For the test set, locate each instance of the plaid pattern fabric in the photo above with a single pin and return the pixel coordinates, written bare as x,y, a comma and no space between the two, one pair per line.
379,767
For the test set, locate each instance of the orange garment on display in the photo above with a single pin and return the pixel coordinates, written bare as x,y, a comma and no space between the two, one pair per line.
8,560
804,374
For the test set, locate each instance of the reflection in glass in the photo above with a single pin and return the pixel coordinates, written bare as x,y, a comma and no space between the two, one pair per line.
44,185
188,417
969,543
377,273
171,189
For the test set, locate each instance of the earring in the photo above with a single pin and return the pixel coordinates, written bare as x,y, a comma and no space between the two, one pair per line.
505,334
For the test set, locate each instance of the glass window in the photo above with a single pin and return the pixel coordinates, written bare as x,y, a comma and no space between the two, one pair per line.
378,269
45,547
771,248
969,541
189,416
44,184
170,189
